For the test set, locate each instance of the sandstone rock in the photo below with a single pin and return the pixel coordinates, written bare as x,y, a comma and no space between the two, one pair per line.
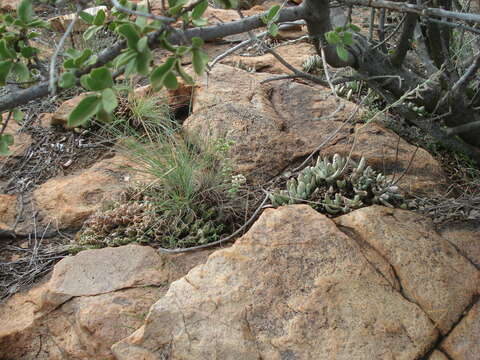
60,116
100,271
465,236
463,343
66,201
293,287
8,211
432,273
86,326
379,146
272,128
295,55
270,124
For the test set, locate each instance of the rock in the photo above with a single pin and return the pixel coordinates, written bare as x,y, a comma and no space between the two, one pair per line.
431,272
269,123
60,116
21,140
294,54
128,280
65,202
463,342
465,237
61,23
379,147
101,271
293,287
45,120
272,128
8,211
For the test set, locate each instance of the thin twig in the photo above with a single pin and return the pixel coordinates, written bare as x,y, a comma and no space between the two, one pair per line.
52,87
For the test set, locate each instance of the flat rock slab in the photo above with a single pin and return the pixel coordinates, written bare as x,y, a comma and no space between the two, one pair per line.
293,287
93,300
432,273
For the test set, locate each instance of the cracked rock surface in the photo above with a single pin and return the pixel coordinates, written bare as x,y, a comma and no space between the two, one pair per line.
293,287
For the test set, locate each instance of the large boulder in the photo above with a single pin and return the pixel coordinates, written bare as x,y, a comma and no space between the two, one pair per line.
431,272
269,123
277,123
293,287
92,300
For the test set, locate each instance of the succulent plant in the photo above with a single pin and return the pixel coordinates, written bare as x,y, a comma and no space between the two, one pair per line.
140,221
338,186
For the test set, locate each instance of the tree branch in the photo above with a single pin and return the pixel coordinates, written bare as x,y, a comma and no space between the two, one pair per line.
206,33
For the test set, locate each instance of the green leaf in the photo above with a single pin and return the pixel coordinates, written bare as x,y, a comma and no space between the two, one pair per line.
99,18
342,52
347,38
109,100
142,44
273,29
273,13
88,18
84,110
21,71
170,81
143,62
69,64
197,42
5,67
199,22
67,80
199,60
99,79
130,33
5,51
6,140
125,58
92,30
199,9
18,115
228,4
158,75
332,37
25,11
104,116
187,78
80,60
28,51
354,27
